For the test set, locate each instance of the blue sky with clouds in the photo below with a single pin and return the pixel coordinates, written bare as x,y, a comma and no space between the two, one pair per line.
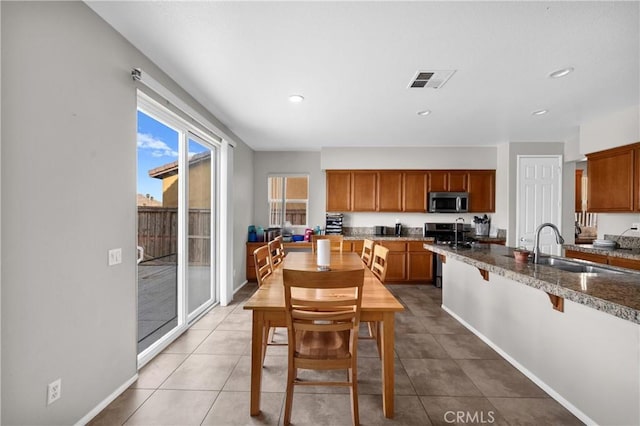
157,146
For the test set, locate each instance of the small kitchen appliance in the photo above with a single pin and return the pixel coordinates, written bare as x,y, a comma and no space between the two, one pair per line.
380,230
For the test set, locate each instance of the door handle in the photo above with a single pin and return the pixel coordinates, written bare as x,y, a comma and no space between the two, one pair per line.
458,203
140,254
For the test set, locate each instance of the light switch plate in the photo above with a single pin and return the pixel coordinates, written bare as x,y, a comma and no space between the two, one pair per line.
115,256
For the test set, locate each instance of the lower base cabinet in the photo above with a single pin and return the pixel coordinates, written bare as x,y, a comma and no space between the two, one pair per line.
620,262
408,262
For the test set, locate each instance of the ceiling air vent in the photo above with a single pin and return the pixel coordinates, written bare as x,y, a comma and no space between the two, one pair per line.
431,79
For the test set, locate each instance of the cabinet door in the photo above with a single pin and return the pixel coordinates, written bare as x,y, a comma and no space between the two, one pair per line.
611,180
591,257
578,191
458,181
396,261
624,263
364,191
414,191
338,191
356,246
438,181
390,191
482,186
419,263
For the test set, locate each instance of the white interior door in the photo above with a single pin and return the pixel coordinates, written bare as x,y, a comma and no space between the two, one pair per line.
539,200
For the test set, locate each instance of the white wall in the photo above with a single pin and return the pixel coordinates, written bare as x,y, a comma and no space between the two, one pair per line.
615,129
422,158
68,195
243,206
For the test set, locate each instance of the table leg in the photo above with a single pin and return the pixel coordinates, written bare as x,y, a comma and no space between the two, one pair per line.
256,360
388,386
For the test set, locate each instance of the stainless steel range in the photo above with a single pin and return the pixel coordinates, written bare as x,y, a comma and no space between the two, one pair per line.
449,234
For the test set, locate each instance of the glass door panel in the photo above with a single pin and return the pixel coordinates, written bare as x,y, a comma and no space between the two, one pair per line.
201,218
158,231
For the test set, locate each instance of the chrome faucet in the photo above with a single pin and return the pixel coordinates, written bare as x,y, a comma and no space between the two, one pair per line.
456,233
536,244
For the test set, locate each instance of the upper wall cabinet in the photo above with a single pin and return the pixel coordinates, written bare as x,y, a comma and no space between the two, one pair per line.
405,190
482,191
614,179
339,191
448,180
390,191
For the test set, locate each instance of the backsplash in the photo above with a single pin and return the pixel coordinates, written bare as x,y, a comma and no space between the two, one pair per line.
389,230
624,241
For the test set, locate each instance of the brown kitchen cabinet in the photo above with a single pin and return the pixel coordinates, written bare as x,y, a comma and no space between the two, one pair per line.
613,180
338,190
419,263
591,257
624,263
365,191
406,190
414,191
482,191
408,262
396,261
390,184
448,180
578,190
620,262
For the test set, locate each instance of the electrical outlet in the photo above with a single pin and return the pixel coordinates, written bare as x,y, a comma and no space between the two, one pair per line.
54,391
115,256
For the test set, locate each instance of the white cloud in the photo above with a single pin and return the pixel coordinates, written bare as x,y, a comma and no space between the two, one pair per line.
157,147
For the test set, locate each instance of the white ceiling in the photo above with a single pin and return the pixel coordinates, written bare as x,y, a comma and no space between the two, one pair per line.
353,62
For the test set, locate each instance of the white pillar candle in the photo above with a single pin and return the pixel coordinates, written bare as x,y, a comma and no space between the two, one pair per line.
324,252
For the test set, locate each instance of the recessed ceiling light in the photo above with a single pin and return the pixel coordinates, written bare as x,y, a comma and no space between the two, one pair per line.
296,99
540,112
561,73
425,112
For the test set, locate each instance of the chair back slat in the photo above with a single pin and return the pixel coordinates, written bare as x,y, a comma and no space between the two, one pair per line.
367,252
379,264
276,251
262,261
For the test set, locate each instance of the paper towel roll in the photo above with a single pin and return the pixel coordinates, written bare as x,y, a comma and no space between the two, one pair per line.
324,252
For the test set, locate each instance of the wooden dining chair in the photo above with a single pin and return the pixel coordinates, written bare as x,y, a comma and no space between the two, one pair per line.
276,251
262,261
323,316
379,263
337,242
264,268
367,252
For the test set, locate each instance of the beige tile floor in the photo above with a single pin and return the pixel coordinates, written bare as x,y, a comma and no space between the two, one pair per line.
442,371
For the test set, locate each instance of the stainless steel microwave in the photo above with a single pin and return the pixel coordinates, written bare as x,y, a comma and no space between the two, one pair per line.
448,202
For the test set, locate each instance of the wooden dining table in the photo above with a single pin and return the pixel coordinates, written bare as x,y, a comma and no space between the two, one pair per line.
378,306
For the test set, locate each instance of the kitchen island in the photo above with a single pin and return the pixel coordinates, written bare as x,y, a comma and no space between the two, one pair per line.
576,335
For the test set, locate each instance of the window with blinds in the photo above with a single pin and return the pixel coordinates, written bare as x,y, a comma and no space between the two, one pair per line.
288,200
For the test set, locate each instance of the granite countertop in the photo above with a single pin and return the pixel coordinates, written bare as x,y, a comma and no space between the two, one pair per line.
618,294
627,253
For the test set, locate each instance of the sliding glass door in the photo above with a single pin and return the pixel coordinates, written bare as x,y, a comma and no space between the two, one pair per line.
177,223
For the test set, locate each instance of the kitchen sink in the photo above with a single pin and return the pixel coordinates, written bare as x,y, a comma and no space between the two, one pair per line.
575,266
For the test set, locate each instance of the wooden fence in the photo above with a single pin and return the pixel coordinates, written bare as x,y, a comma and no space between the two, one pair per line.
158,233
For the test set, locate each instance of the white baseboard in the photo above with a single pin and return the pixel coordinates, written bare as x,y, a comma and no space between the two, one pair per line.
240,286
108,400
535,379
